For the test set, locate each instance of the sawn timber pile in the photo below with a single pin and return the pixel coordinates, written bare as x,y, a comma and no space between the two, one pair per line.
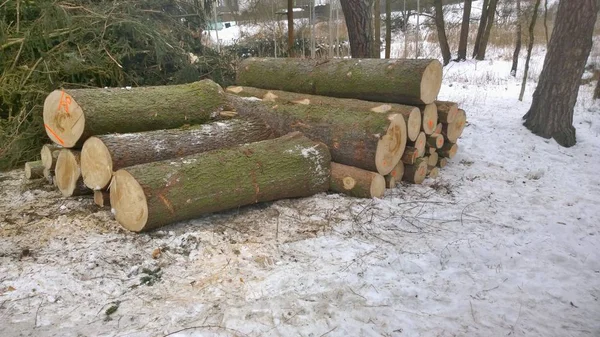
159,155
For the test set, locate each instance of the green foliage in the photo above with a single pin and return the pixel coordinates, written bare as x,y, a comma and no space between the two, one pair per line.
49,44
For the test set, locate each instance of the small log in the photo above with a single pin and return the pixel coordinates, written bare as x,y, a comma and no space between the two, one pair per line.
411,114
431,150
438,129
442,162
73,115
420,144
151,195
429,116
68,174
433,171
49,155
410,155
394,177
448,150
101,155
433,159
102,198
415,173
356,182
447,111
407,81
49,175
454,130
371,141
435,140
34,169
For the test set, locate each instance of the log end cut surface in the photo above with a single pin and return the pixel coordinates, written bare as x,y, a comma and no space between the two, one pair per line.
430,118
391,146
67,172
64,120
127,196
96,164
414,124
431,82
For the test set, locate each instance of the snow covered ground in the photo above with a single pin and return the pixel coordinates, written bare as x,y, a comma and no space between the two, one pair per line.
505,242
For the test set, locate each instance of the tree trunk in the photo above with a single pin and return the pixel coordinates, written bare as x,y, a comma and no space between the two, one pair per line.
358,22
481,27
374,142
488,29
398,81
72,116
597,90
102,155
546,22
356,182
49,154
432,159
68,174
151,195
394,177
515,61
415,173
464,31
102,198
388,28
446,111
551,112
377,28
529,48
34,169
49,175
441,30
411,114
290,19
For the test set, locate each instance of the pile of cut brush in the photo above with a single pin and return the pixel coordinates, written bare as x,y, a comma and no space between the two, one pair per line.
293,128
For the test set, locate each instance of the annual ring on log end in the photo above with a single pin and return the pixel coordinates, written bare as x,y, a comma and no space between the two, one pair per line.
391,146
377,186
67,172
414,124
431,82
129,204
96,164
349,183
63,118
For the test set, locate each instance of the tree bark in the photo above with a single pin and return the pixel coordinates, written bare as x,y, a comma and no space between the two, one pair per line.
388,28
68,174
597,90
377,28
481,27
151,195
356,182
464,31
452,131
49,175
404,81
551,112
34,169
529,48
394,177
102,198
410,155
411,114
491,12
104,154
446,111
441,30
290,23
515,61
546,22
415,173
448,150
49,154
435,141
72,116
374,142
358,22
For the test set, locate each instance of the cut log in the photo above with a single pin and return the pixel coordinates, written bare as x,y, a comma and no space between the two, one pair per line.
438,129
68,174
411,114
49,155
454,130
435,140
356,182
442,162
373,142
410,155
447,111
72,116
419,144
151,195
433,159
49,175
433,172
448,150
415,173
34,169
407,81
395,176
429,116
102,198
101,155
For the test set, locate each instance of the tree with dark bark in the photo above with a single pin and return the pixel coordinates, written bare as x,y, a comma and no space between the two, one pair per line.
464,31
441,30
597,90
491,13
377,27
290,18
515,62
358,22
481,28
388,28
551,112
529,47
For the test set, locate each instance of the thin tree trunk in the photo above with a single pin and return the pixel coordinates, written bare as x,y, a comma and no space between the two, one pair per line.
529,48
377,27
488,29
290,18
515,62
597,90
441,30
481,28
388,28
358,21
551,112
464,32
546,21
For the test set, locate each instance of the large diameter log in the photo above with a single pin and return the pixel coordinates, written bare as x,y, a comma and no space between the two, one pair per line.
394,177
420,144
407,81
102,155
415,173
448,150
49,154
356,182
34,169
411,114
73,115
455,129
68,174
151,195
429,118
447,111
371,141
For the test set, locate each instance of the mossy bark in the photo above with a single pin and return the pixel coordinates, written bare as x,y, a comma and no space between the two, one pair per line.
34,169
397,81
175,190
356,182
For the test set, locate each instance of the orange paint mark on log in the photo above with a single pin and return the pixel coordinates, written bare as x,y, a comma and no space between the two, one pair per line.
430,123
167,203
64,102
54,134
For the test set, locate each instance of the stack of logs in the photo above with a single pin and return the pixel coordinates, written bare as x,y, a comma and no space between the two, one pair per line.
291,128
